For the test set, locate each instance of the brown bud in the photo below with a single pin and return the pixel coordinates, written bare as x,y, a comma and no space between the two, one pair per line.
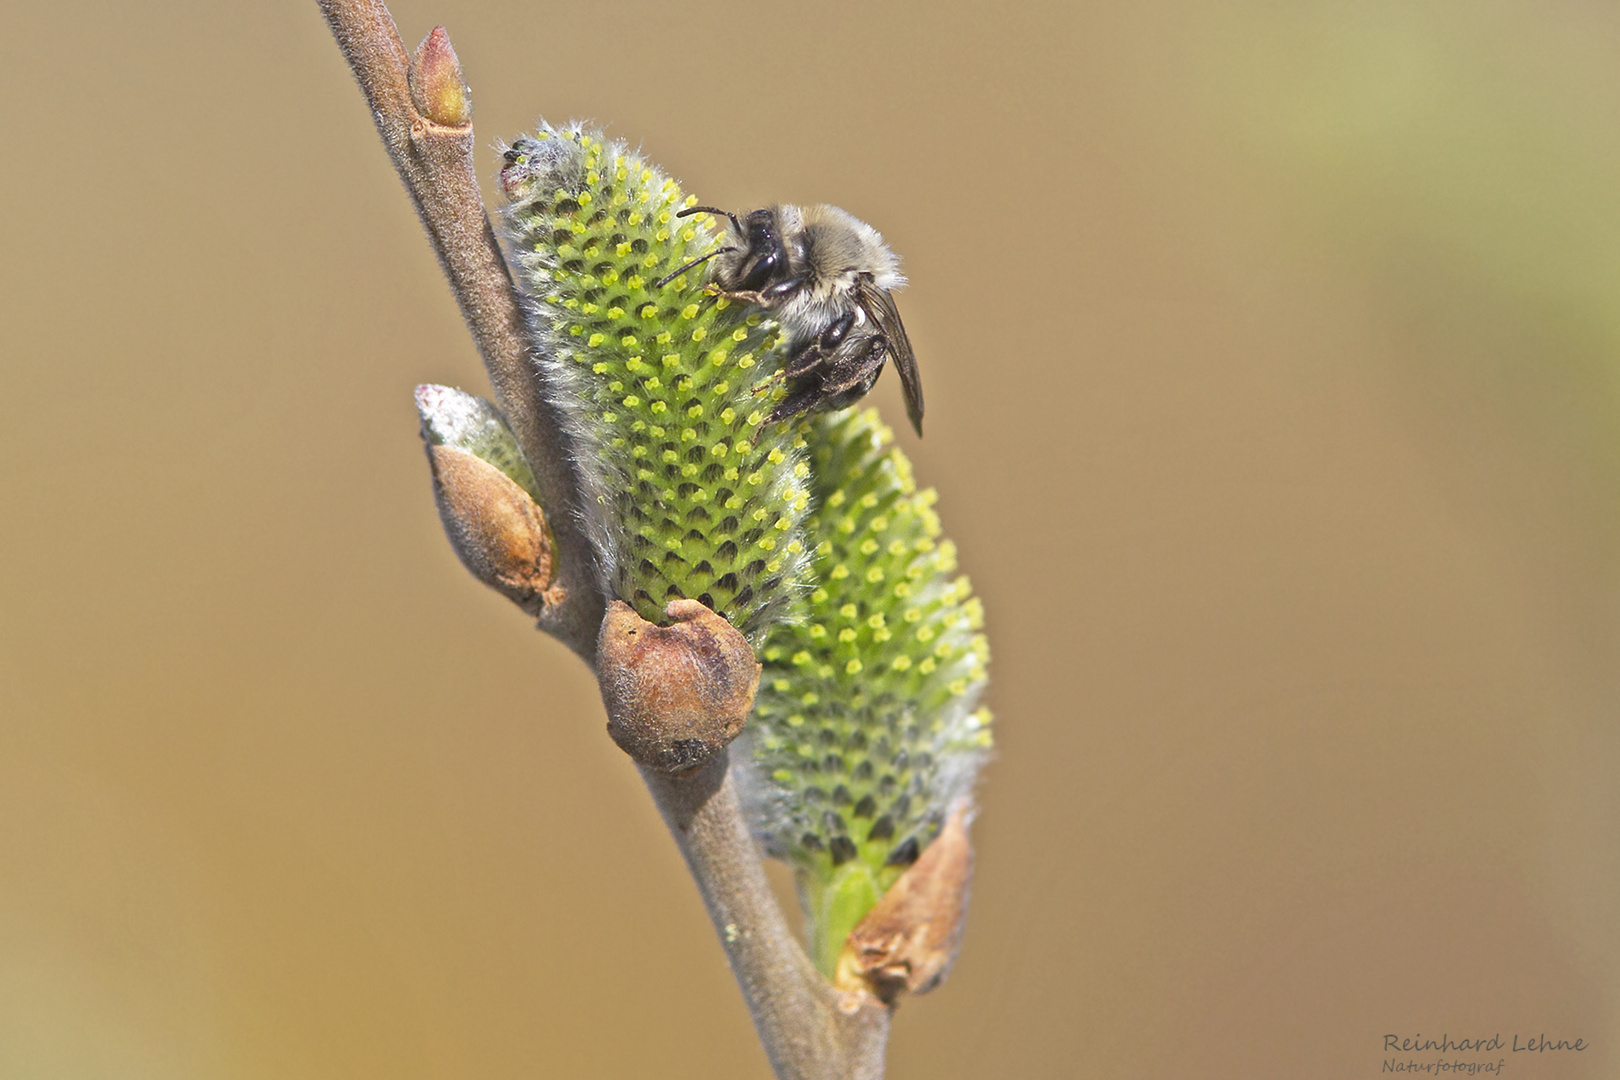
437,88
676,695
909,940
497,529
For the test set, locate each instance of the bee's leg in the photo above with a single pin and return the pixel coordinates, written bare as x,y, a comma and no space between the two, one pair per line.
769,296
815,355
848,379
834,383
823,348
801,399
741,296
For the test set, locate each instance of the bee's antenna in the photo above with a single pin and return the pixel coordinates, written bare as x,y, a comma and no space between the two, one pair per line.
679,270
690,210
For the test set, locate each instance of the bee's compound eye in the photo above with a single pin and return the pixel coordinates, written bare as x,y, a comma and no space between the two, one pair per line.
761,268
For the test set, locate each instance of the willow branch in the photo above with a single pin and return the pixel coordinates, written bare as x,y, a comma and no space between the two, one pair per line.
810,1030
435,162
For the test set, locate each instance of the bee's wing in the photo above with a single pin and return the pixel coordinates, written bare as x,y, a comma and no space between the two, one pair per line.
879,306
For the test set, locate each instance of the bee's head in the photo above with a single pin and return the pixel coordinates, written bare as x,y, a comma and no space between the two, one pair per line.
758,253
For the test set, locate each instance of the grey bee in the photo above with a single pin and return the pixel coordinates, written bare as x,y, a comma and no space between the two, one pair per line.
826,277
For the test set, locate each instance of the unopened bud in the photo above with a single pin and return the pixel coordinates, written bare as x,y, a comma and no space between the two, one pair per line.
498,531
437,88
909,940
676,695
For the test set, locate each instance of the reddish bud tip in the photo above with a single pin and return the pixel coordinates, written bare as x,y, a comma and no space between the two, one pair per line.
437,88
676,695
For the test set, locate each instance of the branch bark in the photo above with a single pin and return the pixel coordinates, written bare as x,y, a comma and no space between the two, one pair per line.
810,1031
436,164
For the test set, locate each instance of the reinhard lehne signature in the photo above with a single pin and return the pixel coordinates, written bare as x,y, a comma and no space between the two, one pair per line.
1398,1049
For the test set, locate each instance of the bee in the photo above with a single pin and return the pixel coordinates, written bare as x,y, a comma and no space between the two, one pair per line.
826,277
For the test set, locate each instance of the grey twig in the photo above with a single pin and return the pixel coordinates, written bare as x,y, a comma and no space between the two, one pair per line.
810,1030
436,164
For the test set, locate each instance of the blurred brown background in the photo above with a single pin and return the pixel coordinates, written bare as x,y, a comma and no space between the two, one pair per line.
1273,368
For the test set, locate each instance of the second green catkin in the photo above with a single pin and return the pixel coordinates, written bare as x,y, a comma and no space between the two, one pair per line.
866,731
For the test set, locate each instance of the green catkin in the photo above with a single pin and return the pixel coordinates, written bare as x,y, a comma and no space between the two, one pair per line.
665,390
865,731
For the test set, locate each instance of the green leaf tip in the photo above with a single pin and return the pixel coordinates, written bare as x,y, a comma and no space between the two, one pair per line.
665,387
462,421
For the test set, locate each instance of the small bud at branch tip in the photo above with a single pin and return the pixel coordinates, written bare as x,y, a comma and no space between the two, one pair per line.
437,88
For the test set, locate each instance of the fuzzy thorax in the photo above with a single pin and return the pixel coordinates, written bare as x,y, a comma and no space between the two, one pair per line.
826,248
